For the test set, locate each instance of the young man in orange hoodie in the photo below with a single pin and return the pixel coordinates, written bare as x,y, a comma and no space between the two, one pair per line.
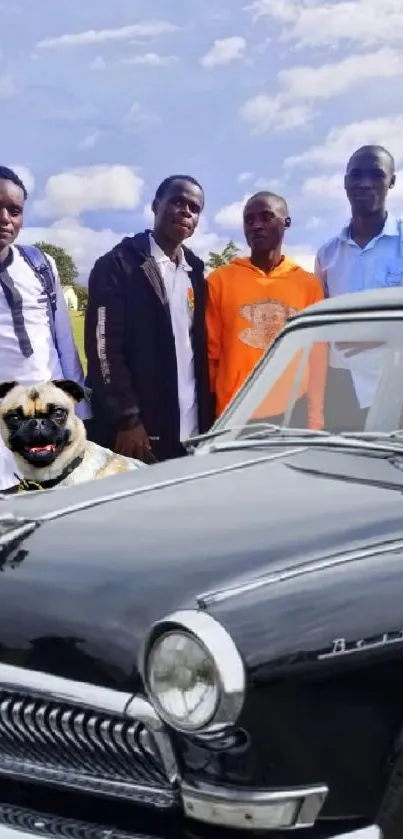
249,301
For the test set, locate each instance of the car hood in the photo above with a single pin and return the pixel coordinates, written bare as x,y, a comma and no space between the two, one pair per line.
107,559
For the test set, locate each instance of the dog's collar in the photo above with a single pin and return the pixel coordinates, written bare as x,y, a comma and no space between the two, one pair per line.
26,485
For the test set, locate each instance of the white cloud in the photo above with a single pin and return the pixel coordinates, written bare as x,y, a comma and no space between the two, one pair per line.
324,188
90,140
90,188
224,51
97,63
269,184
269,114
314,223
8,86
316,23
303,255
292,106
149,29
148,214
138,117
206,240
84,244
342,141
151,59
244,176
230,216
335,78
26,176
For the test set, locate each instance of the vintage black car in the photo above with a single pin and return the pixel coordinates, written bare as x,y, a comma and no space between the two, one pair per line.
213,646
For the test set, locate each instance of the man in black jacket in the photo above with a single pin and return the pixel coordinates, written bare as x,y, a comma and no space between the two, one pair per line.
145,336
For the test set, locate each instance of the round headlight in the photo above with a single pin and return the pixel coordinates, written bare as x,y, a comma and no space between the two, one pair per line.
183,681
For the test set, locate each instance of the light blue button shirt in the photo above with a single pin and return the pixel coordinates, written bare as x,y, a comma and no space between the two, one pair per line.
344,267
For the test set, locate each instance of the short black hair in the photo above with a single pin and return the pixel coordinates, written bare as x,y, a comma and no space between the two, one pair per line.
375,149
272,196
7,174
164,186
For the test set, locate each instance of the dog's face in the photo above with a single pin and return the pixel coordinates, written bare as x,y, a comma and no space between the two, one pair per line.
38,423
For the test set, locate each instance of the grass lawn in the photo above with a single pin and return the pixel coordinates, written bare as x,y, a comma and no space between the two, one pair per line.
77,322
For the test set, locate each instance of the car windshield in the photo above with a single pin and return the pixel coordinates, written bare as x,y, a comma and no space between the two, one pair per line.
343,374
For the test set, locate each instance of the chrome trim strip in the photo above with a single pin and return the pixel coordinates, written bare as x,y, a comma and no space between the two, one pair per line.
13,528
130,493
228,663
210,598
254,809
19,822
58,689
155,797
331,317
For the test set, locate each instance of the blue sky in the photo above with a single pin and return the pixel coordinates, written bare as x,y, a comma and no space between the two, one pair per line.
101,101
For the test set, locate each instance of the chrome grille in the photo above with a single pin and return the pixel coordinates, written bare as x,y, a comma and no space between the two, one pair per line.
53,827
69,746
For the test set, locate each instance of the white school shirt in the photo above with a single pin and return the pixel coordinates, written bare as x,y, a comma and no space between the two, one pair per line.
179,291
344,267
44,363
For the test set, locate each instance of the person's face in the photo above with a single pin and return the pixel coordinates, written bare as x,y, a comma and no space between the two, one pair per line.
177,213
369,176
11,212
264,224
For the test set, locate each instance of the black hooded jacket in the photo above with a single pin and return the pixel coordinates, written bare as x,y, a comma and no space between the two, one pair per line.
130,346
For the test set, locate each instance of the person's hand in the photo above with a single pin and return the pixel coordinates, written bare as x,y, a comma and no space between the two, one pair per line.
134,442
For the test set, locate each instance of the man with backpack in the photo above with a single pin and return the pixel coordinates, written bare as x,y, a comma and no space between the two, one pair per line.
36,339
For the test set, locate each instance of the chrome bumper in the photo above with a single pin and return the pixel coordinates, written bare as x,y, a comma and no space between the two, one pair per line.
231,809
33,721
253,809
18,823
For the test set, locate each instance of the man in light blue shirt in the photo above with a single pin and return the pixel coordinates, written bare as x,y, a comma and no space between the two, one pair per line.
367,254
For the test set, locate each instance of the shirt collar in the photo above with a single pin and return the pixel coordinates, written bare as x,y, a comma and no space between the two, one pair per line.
390,228
161,257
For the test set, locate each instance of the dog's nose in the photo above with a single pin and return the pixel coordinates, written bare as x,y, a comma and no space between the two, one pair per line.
37,424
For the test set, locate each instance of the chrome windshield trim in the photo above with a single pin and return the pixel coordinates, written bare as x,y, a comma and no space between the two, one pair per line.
334,441
331,317
102,700
210,598
235,807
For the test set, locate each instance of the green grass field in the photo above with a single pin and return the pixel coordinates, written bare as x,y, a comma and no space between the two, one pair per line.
77,322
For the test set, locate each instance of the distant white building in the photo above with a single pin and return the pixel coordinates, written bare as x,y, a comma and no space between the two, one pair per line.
70,297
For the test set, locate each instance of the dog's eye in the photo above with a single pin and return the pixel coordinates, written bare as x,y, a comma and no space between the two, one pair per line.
59,414
13,418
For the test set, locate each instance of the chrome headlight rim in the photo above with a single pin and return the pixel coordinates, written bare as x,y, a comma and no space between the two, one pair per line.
228,665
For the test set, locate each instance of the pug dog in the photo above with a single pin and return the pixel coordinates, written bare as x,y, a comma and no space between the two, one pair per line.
40,426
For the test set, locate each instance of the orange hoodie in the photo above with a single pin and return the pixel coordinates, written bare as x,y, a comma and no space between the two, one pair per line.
246,309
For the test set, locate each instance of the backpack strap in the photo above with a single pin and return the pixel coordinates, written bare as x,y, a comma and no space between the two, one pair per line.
40,265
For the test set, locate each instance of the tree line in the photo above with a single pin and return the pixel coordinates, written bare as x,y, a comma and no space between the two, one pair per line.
67,270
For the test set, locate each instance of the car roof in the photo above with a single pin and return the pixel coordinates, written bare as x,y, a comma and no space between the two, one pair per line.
359,301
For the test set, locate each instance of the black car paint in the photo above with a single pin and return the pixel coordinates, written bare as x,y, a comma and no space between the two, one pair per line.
79,594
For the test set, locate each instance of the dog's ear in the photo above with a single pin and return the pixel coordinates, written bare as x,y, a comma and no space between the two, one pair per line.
71,388
5,388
